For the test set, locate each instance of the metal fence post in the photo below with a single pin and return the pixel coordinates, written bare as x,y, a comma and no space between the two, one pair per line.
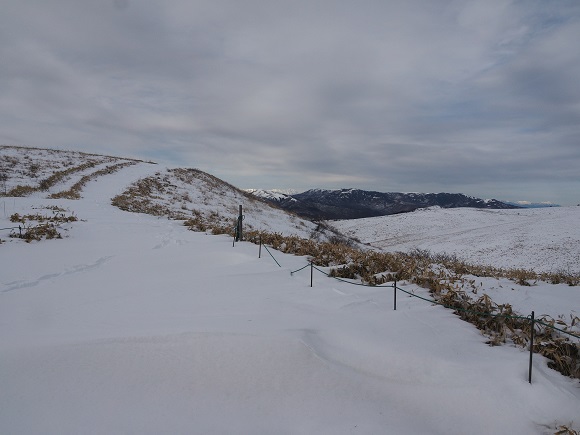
239,235
395,294
531,348
311,273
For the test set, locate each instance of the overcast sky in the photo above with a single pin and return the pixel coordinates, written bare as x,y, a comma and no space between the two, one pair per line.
478,97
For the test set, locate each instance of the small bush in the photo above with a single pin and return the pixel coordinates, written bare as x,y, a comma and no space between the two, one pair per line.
45,228
38,232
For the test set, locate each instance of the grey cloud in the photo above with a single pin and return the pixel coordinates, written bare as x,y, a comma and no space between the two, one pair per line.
452,95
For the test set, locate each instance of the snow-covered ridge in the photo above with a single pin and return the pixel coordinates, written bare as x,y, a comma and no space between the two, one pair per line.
271,195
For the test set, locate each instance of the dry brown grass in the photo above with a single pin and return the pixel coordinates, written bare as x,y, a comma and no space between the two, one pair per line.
566,430
141,197
35,227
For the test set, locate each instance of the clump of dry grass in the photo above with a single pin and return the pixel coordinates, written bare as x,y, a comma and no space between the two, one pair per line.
21,190
566,430
38,232
45,227
142,196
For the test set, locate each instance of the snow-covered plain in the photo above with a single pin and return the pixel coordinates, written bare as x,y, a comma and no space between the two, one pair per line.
133,324
543,239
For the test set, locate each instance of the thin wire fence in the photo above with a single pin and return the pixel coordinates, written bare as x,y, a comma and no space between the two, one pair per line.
575,359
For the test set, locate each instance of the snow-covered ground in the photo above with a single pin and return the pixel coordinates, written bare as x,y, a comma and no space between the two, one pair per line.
544,239
133,324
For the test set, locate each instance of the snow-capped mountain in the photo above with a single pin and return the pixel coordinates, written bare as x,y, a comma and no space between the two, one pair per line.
273,195
357,203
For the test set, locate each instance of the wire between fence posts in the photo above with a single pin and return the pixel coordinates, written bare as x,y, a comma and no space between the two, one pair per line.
539,322
298,270
531,348
267,250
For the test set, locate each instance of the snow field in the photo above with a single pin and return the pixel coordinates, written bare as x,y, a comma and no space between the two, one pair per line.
132,324
544,239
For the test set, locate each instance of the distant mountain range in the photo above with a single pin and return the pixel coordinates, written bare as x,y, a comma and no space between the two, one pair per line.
319,204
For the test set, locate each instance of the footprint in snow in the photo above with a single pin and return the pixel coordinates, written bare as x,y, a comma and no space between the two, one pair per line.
17,285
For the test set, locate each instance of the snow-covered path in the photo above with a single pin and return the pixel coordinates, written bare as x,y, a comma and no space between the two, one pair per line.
132,324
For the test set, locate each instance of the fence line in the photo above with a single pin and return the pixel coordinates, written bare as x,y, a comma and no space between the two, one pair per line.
395,288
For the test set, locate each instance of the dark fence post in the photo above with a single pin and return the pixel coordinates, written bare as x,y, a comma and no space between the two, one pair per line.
395,294
239,234
236,227
311,273
260,250
531,348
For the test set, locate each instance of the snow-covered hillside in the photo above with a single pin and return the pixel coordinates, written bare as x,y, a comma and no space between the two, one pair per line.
545,240
193,194
131,323
170,192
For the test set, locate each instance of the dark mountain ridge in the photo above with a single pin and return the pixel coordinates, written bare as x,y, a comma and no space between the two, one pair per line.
320,204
